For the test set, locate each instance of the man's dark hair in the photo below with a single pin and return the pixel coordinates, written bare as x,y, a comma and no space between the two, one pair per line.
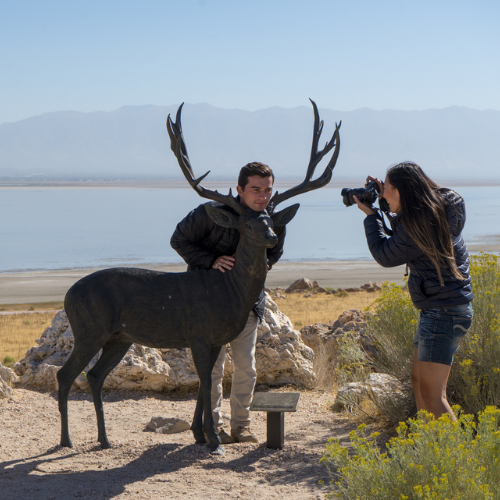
254,168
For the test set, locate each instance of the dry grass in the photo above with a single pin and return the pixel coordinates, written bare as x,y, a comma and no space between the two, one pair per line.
37,306
322,308
18,333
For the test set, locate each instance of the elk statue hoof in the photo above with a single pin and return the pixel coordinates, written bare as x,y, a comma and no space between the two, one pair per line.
66,443
105,444
216,449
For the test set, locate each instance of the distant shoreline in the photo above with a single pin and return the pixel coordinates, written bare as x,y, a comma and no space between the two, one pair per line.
51,285
48,286
180,184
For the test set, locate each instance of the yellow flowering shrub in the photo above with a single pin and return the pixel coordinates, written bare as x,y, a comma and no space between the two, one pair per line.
429,459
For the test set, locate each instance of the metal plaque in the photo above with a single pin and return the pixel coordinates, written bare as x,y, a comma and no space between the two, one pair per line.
275,401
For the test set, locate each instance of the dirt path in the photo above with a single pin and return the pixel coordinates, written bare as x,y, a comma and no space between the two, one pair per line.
147,465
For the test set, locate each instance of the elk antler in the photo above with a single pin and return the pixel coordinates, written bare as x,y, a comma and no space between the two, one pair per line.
179,148
316,156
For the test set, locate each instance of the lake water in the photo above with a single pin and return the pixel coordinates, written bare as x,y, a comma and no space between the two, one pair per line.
57,228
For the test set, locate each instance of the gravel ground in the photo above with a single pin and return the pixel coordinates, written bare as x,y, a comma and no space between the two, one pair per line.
147,465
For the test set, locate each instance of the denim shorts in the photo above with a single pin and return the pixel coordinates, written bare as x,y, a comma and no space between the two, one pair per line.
439,332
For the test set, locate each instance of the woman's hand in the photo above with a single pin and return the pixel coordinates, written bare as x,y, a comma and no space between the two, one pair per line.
380,184
363,207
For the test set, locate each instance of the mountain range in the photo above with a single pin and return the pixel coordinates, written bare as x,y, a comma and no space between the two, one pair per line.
132,142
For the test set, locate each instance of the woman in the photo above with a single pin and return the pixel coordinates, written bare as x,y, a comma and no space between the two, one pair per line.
427,221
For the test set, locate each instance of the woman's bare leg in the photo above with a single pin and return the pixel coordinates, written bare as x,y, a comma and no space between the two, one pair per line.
432,381
415,381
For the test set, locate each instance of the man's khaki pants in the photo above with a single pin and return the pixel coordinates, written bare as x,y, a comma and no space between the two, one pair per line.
244,377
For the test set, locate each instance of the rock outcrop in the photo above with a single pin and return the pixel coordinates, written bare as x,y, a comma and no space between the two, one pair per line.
301,285
172,425
305,359
324,337
379,386
7,379
281,357
371,287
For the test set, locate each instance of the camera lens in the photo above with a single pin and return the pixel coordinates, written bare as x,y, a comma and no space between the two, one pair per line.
366,195
347,197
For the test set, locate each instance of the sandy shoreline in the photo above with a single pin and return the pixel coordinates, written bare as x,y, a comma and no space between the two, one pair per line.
47,286
219,183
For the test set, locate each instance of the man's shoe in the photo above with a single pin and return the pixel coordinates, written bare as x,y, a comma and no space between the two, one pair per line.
243,435
224,437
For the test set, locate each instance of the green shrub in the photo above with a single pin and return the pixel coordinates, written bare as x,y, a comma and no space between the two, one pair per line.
391,330
352,364
474,380
475,375
8,361
429,459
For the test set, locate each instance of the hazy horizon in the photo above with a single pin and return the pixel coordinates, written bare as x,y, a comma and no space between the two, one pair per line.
125,106
132,143
386,55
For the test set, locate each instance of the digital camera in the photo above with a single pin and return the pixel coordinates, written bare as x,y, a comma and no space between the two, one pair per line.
366,195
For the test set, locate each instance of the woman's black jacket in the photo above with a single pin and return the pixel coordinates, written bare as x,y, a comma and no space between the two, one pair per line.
199,241
423,283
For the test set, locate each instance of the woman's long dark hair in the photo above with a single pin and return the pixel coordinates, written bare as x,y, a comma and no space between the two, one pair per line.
423,215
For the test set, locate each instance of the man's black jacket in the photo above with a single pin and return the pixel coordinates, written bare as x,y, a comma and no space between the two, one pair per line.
425,290
199,241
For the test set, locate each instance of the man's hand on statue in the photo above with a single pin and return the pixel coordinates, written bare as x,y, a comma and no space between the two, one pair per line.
223,263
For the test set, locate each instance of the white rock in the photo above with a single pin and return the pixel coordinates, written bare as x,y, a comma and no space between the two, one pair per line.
381,385
172,425
7,379
300,285
281,358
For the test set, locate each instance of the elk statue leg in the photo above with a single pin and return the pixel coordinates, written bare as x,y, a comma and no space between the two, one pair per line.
81,356
203,421
197,424
112,353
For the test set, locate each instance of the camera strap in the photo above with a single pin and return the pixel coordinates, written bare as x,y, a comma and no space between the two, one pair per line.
390,232
381,213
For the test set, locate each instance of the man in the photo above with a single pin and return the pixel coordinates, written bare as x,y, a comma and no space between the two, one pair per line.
204,245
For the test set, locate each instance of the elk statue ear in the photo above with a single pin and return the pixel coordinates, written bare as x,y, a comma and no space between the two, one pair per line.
283,217
222,217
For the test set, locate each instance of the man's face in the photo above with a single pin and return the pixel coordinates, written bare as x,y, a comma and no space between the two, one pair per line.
257,193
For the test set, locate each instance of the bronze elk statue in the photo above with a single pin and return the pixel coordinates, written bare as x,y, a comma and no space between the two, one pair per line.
113,308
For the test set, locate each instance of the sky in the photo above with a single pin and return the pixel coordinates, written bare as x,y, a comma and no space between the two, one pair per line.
100,55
